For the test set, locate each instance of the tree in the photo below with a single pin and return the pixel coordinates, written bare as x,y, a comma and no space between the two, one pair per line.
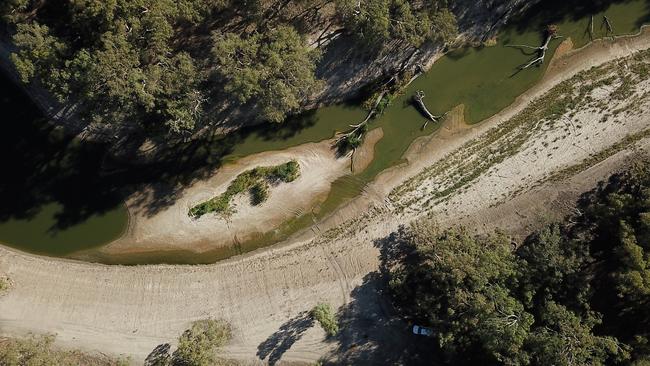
115,60
323,314
40,56
39,350
197,345
460,285
374,22
444,27
565,340
413,28
275,70
369,21
552,266
489,305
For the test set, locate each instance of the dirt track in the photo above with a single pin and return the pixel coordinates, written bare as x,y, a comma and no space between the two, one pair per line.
264,295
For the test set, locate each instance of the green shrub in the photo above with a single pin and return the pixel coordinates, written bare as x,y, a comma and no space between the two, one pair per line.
197,345
38,350
4,284
286,172
255,181
323,314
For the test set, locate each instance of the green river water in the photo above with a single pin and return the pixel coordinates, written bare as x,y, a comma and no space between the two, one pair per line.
61,202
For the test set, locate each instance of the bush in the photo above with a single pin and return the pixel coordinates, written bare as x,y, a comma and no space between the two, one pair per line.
323,314
38,350
4,284
197,345
286,172
255,181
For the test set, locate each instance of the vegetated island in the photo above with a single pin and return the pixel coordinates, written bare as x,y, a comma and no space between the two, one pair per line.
256,181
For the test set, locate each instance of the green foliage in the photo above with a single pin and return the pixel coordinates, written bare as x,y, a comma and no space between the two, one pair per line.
4,284
323,314
352,141
39,351
285,172
197,346
573,294
616,226
566,340
114,59
40,53
444,27
144,62
275,69
255,181
462,285
376,22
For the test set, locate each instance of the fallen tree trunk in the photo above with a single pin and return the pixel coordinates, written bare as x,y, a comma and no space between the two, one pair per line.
551,35
362,124
418,97
419,100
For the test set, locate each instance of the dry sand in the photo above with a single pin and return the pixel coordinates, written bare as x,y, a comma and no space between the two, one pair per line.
130,310
363,156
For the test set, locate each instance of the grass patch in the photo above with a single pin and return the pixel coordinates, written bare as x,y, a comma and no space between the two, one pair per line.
40,350
4,284
324,315
598,157
256,181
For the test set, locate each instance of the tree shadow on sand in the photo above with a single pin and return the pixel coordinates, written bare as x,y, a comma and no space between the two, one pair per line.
281,341
372,333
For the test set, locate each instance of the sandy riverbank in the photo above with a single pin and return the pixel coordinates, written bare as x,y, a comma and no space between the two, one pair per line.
172,228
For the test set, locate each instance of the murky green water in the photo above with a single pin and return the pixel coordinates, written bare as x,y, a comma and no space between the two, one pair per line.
483,79
52,200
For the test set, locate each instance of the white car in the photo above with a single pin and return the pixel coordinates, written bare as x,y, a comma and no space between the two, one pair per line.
422,331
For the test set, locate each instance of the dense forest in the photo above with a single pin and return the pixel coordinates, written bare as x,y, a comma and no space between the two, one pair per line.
576,293
174,66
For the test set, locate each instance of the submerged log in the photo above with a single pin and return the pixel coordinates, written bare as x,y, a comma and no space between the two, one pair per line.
419,100
551,34
608,25
418,97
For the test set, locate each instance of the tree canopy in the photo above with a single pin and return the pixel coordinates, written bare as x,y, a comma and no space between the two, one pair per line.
375,22
114,58
173,66
574,293
275,69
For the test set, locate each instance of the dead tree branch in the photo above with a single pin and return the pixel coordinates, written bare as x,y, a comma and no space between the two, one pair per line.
608,25
551,34
359,126
419,100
